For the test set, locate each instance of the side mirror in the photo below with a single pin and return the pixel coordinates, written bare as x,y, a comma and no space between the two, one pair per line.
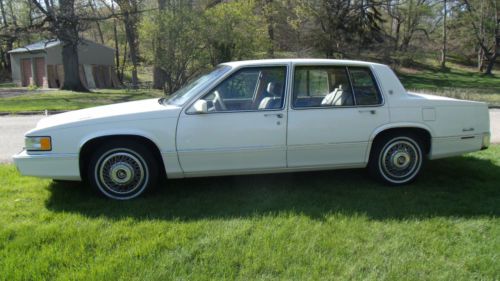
200,106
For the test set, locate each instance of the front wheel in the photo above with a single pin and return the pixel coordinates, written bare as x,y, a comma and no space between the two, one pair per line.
122,170
396,159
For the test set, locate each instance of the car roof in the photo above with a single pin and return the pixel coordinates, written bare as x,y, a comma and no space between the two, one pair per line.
298,62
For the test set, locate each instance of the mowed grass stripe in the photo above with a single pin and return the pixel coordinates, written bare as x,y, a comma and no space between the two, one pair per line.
67,100
333,225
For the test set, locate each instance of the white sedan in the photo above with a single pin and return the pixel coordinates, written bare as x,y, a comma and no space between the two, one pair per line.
262,116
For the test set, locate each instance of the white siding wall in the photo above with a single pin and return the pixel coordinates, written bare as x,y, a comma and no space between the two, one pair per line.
88,53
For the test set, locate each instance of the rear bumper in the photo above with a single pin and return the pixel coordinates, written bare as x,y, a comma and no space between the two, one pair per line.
486,141
454,146
54,166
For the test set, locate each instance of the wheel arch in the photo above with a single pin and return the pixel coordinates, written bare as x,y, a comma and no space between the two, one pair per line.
91,143
423,132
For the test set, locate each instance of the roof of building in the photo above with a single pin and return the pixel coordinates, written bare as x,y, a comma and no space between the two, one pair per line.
46,44
37,47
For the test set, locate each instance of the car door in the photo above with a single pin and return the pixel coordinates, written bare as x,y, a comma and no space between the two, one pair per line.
244,128
334,111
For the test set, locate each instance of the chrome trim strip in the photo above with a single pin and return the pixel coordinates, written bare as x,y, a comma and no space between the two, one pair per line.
346,67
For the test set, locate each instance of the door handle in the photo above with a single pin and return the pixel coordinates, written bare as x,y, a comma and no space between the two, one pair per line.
279,115
371,111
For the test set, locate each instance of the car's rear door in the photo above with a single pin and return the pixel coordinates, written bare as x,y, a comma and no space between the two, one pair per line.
248,133
334,110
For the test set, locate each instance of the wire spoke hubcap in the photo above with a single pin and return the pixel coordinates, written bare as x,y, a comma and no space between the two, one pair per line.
400,159
122,172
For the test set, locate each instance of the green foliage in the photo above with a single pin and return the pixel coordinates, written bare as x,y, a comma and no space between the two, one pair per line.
176,44
183,41
332,225
233,32
32,87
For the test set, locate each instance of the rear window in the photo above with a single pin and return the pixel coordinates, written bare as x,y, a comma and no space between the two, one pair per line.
364,86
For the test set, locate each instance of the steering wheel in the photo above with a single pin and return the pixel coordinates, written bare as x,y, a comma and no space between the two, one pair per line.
218,100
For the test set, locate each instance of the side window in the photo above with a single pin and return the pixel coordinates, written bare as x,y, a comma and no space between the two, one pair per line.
365,89
256,88
240,86
321,86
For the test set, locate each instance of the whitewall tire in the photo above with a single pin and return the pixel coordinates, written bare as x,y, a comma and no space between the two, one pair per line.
397,159
122,170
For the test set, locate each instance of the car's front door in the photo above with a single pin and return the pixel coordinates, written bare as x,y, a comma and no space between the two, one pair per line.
335,109
244,128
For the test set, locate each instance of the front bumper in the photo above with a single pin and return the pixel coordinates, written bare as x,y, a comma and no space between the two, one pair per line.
48,165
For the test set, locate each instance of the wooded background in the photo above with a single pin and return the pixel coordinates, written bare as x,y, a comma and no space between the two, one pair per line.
174,40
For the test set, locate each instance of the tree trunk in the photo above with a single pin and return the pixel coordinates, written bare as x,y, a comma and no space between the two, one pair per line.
66,29
2,11
398,30
159,74
4,55
159,77
8,46
98,25
124,62
117,45
3,63
270,26
480,59
443,50
270,32
491,64
496,40
131,34
71,68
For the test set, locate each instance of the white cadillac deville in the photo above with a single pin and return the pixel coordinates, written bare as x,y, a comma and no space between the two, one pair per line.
263,116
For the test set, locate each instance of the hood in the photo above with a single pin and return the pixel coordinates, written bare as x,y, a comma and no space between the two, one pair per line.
142,109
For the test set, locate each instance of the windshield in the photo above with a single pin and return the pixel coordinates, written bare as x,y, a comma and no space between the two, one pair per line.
184,94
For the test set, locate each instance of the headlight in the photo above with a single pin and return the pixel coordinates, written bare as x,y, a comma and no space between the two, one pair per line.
38,143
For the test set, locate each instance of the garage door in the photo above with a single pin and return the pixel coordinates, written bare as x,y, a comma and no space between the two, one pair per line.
25,72
40,71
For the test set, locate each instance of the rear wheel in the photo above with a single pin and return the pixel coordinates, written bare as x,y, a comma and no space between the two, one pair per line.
396,159
122,170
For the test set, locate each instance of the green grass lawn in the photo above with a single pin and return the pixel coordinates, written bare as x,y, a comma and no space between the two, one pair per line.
334,225
457,82
7,85
67,100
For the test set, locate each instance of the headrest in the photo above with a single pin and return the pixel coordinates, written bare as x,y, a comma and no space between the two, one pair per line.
275,88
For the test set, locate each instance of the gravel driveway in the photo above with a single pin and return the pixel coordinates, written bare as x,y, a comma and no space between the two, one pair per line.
12,129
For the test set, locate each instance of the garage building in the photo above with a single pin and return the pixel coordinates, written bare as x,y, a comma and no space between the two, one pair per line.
40,64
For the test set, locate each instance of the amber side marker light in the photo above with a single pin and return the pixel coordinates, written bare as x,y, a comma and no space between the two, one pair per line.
38,143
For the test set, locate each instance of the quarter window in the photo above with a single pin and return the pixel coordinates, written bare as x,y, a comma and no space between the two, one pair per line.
321,86
365,89
258,88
